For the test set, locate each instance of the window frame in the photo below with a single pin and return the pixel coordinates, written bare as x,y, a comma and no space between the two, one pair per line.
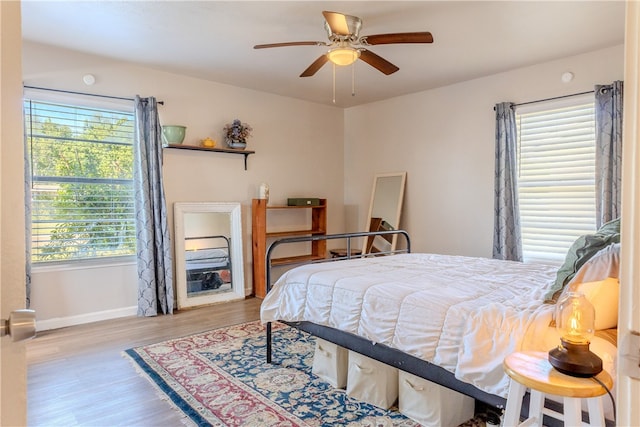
77,100
571,234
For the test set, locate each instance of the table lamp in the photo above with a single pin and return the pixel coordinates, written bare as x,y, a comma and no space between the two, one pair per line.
575,320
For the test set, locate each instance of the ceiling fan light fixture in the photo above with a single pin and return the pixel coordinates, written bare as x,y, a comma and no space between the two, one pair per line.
343,55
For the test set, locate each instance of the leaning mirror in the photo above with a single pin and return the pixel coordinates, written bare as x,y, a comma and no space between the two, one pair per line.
208,253
385,208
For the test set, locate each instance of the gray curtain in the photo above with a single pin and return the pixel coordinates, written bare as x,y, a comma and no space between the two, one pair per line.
155,272
608,106
507,240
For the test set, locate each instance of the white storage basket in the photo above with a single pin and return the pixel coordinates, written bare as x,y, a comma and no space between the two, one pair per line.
331,362
372,381
431,404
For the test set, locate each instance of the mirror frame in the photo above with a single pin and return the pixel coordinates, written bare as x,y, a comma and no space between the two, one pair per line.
237,266
398,210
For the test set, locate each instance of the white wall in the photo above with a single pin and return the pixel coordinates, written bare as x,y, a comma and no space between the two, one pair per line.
299,153
445,138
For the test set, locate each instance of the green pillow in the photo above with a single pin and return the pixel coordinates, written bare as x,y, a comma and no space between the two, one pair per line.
611,227
580,252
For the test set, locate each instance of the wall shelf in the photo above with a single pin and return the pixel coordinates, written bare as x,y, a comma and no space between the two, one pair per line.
245,153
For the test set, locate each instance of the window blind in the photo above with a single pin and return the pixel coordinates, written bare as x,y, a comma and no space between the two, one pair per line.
81,164
556,182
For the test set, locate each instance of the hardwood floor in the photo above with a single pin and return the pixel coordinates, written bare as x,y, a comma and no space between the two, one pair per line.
78,377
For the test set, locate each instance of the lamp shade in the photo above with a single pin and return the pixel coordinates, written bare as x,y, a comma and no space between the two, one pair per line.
575,318
343,55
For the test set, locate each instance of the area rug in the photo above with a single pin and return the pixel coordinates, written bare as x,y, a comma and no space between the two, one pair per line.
221,378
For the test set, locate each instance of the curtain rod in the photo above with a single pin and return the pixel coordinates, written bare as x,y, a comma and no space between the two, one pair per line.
84,93
554,98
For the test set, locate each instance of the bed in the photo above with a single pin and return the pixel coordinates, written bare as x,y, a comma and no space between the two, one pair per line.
208,263
449,319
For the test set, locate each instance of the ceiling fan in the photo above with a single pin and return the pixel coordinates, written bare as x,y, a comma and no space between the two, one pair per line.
346,44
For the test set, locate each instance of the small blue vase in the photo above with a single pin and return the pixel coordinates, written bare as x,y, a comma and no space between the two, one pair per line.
236,144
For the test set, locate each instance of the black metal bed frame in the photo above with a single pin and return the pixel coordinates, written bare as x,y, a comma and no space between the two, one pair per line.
344,236
384,353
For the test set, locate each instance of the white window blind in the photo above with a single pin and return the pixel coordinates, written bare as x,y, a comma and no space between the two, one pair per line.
81,164
556,182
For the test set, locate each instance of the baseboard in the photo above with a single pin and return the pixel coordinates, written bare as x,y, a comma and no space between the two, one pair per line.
63,322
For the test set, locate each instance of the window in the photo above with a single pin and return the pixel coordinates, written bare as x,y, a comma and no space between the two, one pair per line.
556,182
81,164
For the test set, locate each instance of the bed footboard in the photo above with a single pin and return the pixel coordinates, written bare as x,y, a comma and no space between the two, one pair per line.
348,237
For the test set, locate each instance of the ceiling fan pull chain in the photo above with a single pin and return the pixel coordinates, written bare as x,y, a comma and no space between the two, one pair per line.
334,83
353,79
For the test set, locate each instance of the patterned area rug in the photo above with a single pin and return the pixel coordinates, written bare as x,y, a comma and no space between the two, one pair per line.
221,378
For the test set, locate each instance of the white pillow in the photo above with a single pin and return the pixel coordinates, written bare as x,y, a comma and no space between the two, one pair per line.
603,295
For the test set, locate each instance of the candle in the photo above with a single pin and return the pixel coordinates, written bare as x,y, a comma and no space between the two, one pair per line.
264,191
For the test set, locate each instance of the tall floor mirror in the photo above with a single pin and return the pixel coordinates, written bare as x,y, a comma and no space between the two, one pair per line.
208,253
387,195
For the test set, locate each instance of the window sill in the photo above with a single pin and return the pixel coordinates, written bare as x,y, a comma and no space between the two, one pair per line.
43,267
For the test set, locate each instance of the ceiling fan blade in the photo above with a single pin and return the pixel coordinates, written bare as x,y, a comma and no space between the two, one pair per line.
315,66
419,37
337,22
378,62
263,46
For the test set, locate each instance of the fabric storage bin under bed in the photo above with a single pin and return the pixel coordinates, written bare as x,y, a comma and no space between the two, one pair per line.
431,404
330,363
371,381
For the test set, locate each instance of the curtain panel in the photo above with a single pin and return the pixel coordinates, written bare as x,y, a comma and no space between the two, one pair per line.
608,110
507,239
155,271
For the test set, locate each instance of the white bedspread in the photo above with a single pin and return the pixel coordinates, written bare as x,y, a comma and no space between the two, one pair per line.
464,314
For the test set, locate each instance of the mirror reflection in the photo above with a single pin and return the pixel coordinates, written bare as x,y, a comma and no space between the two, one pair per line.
384,211
208,253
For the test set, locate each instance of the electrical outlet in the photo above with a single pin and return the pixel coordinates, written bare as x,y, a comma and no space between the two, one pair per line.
630,355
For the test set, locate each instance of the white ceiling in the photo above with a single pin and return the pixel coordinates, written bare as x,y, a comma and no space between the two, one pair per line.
214,40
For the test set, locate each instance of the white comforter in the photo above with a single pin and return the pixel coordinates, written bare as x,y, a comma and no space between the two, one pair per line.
464,314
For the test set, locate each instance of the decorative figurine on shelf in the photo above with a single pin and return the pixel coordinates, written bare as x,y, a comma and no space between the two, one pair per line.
208,142
236,134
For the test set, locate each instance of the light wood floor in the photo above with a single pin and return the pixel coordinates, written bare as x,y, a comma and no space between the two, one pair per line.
78,377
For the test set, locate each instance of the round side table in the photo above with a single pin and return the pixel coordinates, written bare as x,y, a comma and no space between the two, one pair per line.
532,370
